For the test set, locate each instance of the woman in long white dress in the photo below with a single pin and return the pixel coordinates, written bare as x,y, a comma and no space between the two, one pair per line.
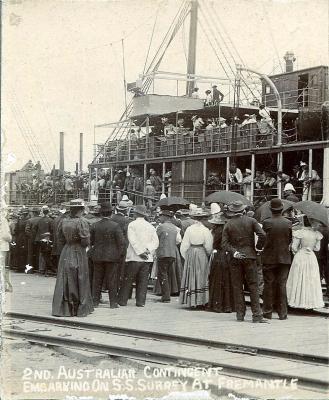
196,248
304,284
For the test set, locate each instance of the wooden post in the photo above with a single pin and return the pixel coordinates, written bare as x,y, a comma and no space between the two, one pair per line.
163,176
111,186
252,176
147,125
325,136
310,168
227,172
204,180
191,60
183,178
144,175
279,168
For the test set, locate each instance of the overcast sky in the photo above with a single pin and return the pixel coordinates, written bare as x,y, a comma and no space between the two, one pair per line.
62,60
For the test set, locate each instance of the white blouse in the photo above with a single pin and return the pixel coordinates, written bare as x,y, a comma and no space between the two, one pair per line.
197,234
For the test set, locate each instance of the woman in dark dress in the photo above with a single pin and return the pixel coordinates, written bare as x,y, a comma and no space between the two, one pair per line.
220,287
72,295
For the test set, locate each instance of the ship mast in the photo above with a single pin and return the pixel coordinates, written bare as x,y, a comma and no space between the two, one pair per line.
191,61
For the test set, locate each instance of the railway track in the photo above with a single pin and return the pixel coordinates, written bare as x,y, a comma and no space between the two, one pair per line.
234,359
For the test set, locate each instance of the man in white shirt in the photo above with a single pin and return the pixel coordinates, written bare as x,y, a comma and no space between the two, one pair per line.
195,93
143,242
264,112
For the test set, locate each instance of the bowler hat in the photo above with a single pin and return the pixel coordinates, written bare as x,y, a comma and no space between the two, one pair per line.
106,206
141,210
276,205
236,207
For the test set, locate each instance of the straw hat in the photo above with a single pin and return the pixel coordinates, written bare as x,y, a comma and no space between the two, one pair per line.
236,207
215,208
217,219
289,186
141,210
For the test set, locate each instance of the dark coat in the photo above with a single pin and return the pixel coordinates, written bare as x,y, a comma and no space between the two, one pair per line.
239,235
107,240
123,222
167,234
57,244
30,228
278,238
45,224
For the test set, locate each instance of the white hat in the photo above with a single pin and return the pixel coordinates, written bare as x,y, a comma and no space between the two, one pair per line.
125,197
248,171
302,163
163,196
289,186
127,173
215,208
193,207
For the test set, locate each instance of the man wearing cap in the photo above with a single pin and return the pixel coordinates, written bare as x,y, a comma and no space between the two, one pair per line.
143,242
120,217
169,238
33,246
107,240
239,241
44,225
289,193
276,259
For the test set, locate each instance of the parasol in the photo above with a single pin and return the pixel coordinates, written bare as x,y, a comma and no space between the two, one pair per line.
173,203
227,197
264,211
313,210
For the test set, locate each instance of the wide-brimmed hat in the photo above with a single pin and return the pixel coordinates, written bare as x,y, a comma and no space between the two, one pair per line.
248,171
141,210
125,197
122,206
148,182
289,186
208,91
217,219
276,205
183,211
214,86
199,213
106,207
166,213
236,207
77,203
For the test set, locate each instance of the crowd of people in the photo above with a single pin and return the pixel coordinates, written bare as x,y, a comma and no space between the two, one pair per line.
206,256
300,184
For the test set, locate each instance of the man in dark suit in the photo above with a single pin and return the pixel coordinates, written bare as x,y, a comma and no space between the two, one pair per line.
169,238
108,244
42,226
239,240
276,259
120,217
33,246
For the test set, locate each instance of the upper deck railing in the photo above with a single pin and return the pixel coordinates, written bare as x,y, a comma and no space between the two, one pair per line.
181,142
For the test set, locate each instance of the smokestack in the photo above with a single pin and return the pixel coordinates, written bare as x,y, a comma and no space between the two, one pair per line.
61,151
289,58
81,151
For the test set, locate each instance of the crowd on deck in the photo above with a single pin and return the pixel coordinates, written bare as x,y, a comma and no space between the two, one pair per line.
207,256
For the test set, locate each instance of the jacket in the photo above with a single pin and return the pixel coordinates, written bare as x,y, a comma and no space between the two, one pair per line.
278,238
45,224
30,228
169,237
107,240
239,235
123,222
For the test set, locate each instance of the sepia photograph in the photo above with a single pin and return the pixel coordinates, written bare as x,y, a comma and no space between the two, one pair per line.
164,200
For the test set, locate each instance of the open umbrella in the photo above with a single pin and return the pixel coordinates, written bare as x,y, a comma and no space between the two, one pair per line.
264,210
313,210
173,202
227,197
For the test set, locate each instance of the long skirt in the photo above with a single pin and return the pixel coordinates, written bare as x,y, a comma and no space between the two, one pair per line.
194,289
72,295
220,287
174,278
304,284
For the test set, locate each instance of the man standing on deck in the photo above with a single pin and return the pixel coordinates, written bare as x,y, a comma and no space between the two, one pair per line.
217,96
239,240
